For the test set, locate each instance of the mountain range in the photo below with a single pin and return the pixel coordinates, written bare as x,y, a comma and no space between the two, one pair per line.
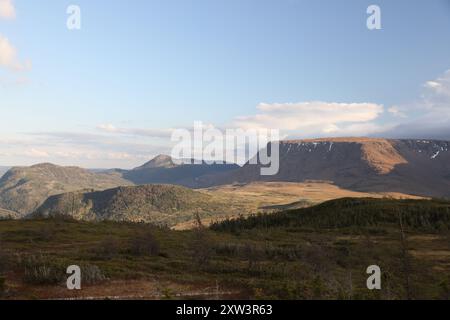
24,189
162,169
418,167
367,165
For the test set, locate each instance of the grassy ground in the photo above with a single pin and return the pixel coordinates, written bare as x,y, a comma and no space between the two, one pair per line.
247,199
299,258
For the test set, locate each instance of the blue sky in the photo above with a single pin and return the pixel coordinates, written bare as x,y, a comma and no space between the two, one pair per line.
104,95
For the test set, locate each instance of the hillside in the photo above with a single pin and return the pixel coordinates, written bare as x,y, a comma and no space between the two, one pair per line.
23,189
3,170
314,253
177,206
424,215
160,161
364,165
159,204
420,167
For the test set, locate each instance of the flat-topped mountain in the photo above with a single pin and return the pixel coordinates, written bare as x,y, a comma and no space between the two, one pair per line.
23,189
161,204
420,167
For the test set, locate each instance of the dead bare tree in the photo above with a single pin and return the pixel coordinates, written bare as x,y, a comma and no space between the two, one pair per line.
198,221
201,244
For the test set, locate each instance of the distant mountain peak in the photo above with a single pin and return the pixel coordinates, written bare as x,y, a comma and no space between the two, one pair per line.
160,161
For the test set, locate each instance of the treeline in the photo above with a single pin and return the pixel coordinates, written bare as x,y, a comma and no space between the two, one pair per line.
427,215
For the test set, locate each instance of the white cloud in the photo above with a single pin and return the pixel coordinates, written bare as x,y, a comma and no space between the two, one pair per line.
437,92
90,154
432,84
107,127
155,133
9,58
435,101
314,118
36,153
87,149
119,156
438,87
7,10
429,116
397,111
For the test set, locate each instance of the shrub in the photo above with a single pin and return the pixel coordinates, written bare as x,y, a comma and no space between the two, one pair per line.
91,274
41,270
144,244
5,261
202,247
107,249
444,286
45,233
2,286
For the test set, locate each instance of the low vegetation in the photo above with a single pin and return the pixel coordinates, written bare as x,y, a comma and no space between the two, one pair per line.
312,253
164,205
424,215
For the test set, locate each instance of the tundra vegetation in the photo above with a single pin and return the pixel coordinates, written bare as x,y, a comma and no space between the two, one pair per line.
321,252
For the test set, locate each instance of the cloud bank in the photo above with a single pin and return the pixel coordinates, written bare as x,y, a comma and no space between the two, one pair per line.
315,118
155,133
9,58
7,10
429,116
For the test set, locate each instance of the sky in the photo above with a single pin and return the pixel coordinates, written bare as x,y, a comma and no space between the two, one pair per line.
109,94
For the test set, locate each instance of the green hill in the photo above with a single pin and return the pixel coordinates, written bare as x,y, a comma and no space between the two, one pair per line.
23,189
159,204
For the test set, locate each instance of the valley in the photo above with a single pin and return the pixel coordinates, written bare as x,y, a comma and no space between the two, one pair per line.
168,231
311,171
181,208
